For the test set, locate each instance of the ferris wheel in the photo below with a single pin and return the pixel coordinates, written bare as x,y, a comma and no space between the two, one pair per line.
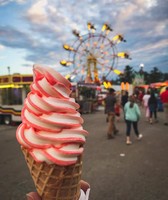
94,56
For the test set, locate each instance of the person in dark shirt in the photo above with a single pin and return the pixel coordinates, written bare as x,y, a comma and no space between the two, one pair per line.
124,98
110,111
152,104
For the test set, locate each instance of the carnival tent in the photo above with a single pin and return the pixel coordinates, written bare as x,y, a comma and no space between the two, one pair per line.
163,89
159,84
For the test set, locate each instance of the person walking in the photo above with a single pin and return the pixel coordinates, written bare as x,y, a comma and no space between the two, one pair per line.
124,100
110,102
132,116
152,104
145,104
164,99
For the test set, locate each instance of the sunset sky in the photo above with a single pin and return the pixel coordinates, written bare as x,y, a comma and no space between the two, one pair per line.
33,31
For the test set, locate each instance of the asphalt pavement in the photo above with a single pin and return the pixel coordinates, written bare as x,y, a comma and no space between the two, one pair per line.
115,171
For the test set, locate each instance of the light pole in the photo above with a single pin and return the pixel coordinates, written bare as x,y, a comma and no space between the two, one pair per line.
141,74
141,68
8,70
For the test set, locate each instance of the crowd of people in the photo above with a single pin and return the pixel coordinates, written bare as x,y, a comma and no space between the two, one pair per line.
130,106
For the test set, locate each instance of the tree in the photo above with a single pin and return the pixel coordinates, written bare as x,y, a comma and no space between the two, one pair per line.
127,76
146,77
165,77
155,75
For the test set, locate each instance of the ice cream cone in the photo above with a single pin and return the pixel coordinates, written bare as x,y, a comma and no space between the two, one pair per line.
52,136
54,182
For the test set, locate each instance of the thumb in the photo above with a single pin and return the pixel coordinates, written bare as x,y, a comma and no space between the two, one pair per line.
84,185
33,196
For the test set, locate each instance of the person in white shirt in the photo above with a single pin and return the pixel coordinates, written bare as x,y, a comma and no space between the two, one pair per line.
145,100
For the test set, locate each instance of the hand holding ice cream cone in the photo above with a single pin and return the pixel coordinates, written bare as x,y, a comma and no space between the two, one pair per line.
52,137
84,187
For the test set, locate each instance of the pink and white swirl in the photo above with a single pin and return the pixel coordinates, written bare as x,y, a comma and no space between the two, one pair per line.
51,127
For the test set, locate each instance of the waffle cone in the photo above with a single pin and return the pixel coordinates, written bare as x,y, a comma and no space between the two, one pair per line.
54,182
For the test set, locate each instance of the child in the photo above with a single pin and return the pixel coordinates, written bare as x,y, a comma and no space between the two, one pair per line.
117,110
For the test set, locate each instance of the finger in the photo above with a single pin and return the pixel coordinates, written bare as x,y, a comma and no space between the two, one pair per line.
33,196
84,185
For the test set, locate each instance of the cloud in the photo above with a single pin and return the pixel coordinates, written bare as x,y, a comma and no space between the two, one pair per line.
11,37
4,2
37,13
157,46
48,24
1,47
34,45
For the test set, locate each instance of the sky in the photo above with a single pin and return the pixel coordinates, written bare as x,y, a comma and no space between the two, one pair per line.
34,31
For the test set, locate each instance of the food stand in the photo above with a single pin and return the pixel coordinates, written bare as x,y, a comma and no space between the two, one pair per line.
86,96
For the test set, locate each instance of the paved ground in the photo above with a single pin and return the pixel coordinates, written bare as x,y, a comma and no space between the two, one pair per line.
114,170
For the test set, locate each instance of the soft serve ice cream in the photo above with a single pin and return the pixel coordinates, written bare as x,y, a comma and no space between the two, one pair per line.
51,128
